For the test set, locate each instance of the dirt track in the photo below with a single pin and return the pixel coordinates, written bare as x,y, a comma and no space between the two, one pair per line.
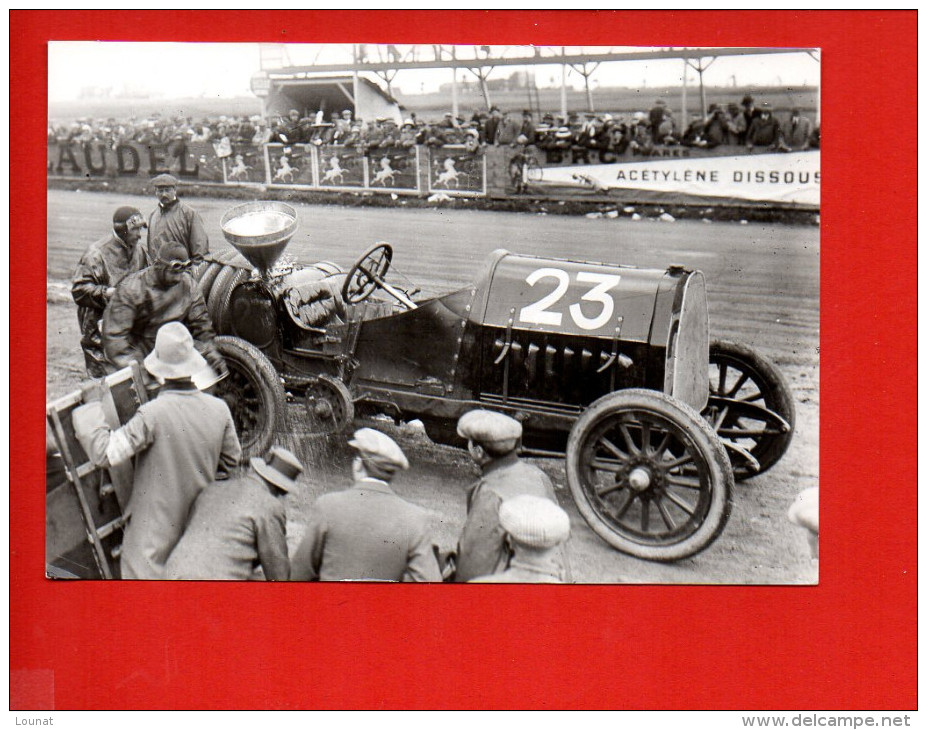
763,284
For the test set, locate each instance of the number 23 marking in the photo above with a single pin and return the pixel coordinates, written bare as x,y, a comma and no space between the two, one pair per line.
539,312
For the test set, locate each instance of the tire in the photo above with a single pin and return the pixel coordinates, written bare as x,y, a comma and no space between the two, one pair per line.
254,393
741,375
208,277
218,303
649,475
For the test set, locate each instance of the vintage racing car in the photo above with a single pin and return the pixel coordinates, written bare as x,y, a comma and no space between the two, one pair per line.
608,366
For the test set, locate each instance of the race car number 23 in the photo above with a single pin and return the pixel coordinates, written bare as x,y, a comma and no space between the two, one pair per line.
545,311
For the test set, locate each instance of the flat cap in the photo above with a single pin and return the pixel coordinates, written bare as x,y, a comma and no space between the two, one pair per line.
488,427
164,181
379,450
534,521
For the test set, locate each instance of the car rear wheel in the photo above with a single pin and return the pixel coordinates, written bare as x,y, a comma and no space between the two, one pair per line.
750,403
648,475
254,394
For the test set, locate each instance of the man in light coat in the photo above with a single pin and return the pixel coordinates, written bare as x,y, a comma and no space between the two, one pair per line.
492,440
368,532
173,221
240,524
182,440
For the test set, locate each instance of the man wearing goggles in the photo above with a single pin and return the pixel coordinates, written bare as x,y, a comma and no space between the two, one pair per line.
164,292
104,264
174,220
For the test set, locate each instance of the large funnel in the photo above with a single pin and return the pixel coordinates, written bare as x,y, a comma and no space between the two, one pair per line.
260,231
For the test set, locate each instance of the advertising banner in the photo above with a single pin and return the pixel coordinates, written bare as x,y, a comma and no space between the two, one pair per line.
290,165
393,168
455,169
193,161
341,167
793,177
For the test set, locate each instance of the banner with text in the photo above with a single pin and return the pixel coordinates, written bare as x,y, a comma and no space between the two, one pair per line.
793,177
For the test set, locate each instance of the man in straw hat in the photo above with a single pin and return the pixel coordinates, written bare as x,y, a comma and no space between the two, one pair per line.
150,298
492,440
368,532
239,524
182,441
173,221
534,527
102,266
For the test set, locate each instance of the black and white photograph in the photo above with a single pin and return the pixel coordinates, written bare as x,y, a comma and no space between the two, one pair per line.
433,313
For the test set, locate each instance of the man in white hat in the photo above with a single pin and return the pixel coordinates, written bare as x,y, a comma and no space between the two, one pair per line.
492,440
147,299
182,440
534,527
174,221
368,532
240,524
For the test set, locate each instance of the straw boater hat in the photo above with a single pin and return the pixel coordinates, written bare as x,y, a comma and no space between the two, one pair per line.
174,355
280,468
380,454
492,430
534,521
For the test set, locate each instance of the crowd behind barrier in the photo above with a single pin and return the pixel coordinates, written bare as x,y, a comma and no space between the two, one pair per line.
345,152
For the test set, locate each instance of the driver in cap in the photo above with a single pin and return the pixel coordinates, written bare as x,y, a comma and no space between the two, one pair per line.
103,265
368,532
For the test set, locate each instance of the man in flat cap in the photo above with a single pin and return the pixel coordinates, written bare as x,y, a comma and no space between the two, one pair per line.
150,298
104,264
240,524
534,527
368,532
492,440
182,441
174,221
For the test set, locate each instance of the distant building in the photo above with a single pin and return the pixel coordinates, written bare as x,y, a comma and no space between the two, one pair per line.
308,94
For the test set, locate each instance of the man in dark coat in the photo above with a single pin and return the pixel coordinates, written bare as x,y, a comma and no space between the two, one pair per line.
182,441
240,524
100,269
174,221
764,130
534,527
368,532
147,299
492,440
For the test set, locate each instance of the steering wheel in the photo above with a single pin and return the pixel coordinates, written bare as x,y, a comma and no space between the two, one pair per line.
367,275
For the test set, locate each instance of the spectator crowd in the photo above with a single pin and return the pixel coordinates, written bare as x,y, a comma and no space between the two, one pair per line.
744,124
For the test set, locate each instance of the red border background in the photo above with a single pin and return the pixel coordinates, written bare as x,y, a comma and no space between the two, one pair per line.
849,643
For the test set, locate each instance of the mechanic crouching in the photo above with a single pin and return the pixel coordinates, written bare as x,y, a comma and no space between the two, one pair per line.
144,301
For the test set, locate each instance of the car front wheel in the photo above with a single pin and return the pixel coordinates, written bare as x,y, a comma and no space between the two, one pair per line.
649,475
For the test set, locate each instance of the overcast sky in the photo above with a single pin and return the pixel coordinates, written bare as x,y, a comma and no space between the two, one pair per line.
176,70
